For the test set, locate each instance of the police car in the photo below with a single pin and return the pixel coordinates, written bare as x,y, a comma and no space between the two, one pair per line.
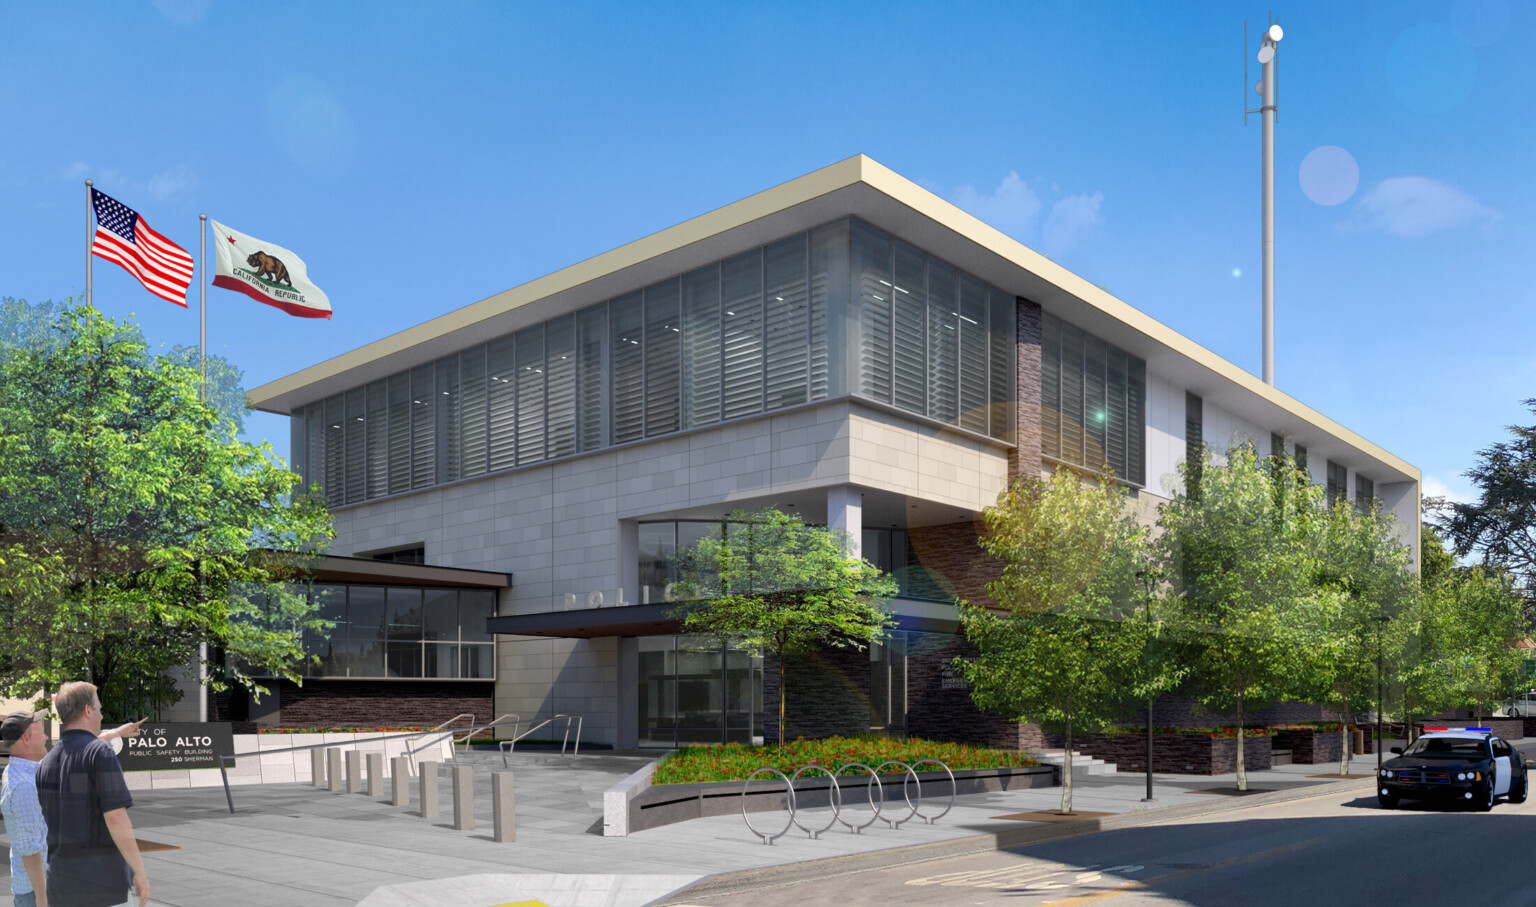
1469,765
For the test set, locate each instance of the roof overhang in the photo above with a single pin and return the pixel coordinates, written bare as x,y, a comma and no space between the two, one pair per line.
335,569
865,189
662,619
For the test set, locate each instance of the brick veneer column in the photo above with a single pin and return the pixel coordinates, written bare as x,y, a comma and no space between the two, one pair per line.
1024,459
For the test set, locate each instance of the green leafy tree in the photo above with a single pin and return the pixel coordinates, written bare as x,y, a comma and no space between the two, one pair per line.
1368,571
1500,526
127,513
1060,650
1469,624
1239,546
774,584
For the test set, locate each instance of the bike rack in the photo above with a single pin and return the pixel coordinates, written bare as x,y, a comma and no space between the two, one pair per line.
835,797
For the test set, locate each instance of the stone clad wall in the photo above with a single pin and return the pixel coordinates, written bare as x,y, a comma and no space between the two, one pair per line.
1175,754
1311,747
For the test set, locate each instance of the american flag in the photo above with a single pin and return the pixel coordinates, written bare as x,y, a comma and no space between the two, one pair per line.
164,268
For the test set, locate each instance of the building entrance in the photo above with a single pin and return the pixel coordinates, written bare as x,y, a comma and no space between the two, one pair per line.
693,690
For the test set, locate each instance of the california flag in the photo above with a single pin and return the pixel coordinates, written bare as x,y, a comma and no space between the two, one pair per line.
266,273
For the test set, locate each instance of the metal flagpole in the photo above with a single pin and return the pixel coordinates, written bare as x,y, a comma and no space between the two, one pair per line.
202,300
90,214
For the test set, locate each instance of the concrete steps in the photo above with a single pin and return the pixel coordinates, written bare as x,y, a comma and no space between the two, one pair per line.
1082,766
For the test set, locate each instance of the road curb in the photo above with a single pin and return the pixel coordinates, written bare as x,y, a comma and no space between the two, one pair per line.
746,880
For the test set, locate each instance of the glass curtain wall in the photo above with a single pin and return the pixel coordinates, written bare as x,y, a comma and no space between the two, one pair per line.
693,690
1093,402
845,309
402,632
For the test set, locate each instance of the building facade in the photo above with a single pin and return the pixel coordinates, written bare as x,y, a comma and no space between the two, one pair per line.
845,346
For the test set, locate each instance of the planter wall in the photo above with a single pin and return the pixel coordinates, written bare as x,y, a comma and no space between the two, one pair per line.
1175,754
1309,747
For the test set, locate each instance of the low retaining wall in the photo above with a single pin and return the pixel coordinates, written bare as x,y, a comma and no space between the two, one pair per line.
1175,754
1309,747
251,767
1508,728
644,806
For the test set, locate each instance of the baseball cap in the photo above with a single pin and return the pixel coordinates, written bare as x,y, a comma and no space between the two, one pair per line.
16,724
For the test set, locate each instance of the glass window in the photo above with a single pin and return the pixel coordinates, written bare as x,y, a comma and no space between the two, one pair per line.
829,307
447,419
740,696
1093,401
1072,408
440,660
663,365
741,287
910,332
476,607
785,300
314,432
973,354
399,433
376,437
501,400
353,439
472,411
658,557
1003,329
657,692
440,614
561,375
591,368
1095,412
403,613
477,661
943,340
626,323
1338,483
1050,388
365,631
335,451
402,659
700,690
530,395
423,429
701,347
872,278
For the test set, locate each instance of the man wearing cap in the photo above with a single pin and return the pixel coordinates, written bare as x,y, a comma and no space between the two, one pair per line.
23,733
93,859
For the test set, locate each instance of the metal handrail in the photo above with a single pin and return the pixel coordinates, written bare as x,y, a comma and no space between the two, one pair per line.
507,746
226,760
411,754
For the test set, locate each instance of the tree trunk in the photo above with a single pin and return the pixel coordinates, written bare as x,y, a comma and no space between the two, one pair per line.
781,699
1348,743
1242,770
1066,772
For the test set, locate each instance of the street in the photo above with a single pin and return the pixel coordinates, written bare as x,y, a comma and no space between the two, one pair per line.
1325,850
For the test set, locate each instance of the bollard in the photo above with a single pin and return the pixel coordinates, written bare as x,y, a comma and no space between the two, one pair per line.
317,767
354,772
426,771
400,781
503,812
375,774
1359,741
333,769
463,797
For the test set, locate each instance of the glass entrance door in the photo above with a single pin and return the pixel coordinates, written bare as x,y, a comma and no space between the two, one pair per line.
693,690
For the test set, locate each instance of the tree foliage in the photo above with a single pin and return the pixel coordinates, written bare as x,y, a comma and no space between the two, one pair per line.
773,583
1061,650
1469,623
128,512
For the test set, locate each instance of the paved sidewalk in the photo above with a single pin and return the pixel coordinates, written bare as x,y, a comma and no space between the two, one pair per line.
292,844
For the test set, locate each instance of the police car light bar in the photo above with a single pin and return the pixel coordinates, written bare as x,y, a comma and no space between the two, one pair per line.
1437,729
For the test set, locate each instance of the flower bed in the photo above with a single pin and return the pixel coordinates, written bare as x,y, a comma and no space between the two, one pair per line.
735,761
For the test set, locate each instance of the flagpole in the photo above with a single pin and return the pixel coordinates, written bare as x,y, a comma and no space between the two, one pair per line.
90,212
202,300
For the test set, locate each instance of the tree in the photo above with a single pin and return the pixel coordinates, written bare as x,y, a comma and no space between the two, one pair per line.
1368,569
1239,546
1469,624
1062,651
128,511
1500,525
773,583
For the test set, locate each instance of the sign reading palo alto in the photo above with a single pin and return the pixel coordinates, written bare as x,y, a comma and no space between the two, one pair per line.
266,273
175,744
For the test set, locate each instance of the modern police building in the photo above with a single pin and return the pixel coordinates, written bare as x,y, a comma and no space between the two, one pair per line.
512,480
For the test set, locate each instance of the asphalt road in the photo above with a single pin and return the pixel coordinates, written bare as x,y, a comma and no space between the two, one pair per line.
1321,851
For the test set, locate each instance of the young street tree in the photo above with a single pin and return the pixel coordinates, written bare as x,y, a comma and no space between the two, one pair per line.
127,512
1239,546
1469,623
1368,569
774,584
1062,650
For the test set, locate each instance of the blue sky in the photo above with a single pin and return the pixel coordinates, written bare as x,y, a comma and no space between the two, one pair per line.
421,157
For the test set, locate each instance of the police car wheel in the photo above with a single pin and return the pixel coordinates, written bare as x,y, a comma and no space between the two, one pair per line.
1518,795
1484,798
1386,801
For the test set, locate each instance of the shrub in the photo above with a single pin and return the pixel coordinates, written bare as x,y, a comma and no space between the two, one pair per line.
735,761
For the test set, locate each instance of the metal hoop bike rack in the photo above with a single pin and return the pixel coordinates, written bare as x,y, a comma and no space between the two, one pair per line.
835,797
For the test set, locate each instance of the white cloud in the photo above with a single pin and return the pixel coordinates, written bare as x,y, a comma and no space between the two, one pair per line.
177,181
1456,490
1070,218
1012,207
1416,206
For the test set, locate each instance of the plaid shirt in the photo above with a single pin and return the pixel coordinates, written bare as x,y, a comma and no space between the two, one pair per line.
24,823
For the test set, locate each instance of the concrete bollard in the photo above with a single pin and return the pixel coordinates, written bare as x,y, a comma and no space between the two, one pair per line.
317,767
375,774
463,797
426,771
333,769
400,781
503,811
354,772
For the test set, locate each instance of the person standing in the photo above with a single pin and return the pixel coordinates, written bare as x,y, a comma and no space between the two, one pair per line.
23,731
93,860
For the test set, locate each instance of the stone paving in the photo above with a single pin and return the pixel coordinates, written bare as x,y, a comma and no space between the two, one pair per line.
293,844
